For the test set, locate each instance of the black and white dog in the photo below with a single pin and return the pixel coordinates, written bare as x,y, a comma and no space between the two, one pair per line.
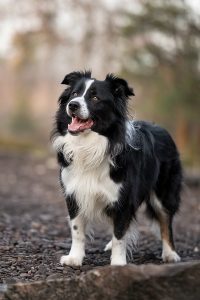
110,165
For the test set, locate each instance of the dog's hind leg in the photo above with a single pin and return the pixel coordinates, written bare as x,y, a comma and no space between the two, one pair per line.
164,204
164,220
168,250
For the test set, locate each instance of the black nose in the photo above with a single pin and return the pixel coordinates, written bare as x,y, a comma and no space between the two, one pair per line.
73,106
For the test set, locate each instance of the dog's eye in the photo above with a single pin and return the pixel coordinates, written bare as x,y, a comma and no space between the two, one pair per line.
94,98
74,94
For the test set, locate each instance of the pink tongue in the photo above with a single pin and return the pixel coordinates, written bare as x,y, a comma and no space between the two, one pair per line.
78,125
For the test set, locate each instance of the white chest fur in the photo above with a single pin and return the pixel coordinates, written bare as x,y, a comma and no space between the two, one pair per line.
87,177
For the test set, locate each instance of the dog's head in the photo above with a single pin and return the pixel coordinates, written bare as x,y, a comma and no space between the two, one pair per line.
89,104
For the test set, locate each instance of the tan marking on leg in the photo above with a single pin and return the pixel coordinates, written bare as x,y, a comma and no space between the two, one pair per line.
168,252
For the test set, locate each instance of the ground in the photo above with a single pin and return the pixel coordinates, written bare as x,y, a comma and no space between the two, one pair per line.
34,232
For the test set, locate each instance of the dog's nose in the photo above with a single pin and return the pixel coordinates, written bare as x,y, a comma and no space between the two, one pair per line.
74,105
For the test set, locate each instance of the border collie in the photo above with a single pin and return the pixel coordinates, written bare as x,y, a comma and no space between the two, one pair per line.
110,165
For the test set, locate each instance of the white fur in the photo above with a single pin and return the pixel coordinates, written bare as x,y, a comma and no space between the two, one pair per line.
77,252
108,246
87,177
155,229
157,205
130,238
169,255
84,112
130,129
132,137
118,257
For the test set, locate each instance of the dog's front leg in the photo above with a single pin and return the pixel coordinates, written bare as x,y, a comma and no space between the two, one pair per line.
77,252
121,217
121,221
118,256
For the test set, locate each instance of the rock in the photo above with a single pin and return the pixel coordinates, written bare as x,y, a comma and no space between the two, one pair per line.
23,275
10,280
144,282
53,276
45,217
68,270
5,263
35,225
78,272
85,268
62,245
42,269
59,268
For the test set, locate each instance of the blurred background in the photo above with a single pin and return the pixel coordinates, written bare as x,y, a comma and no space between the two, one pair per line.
155,45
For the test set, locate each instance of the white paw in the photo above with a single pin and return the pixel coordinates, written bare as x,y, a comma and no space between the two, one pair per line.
116,261
171,256
108,246
70,260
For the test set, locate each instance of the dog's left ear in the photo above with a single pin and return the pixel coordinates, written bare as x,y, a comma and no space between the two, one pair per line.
72,77
119,85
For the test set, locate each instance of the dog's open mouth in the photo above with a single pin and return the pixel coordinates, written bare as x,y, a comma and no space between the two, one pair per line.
78,125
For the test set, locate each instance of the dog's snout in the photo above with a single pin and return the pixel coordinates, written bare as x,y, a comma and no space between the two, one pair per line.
74,105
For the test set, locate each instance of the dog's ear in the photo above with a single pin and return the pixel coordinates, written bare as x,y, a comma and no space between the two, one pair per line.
119,85
71,78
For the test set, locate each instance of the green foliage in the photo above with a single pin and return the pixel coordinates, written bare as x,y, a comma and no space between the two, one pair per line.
21,121
163,54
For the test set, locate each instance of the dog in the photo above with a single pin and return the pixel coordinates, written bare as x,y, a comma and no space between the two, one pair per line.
110,165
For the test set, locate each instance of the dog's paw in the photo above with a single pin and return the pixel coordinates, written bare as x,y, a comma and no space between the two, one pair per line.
70,260
118,262
171,257
108,246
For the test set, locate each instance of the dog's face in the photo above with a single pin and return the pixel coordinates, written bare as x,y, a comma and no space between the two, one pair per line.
90,104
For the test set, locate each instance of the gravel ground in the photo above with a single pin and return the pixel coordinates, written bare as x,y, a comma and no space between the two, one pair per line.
34,232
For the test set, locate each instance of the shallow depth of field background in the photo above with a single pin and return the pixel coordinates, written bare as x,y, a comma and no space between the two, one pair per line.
155,45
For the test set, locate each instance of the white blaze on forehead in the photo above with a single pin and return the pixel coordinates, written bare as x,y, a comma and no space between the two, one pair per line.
84,112
87,86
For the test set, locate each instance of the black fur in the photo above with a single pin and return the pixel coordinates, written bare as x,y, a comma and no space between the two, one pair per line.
72,206
155,167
